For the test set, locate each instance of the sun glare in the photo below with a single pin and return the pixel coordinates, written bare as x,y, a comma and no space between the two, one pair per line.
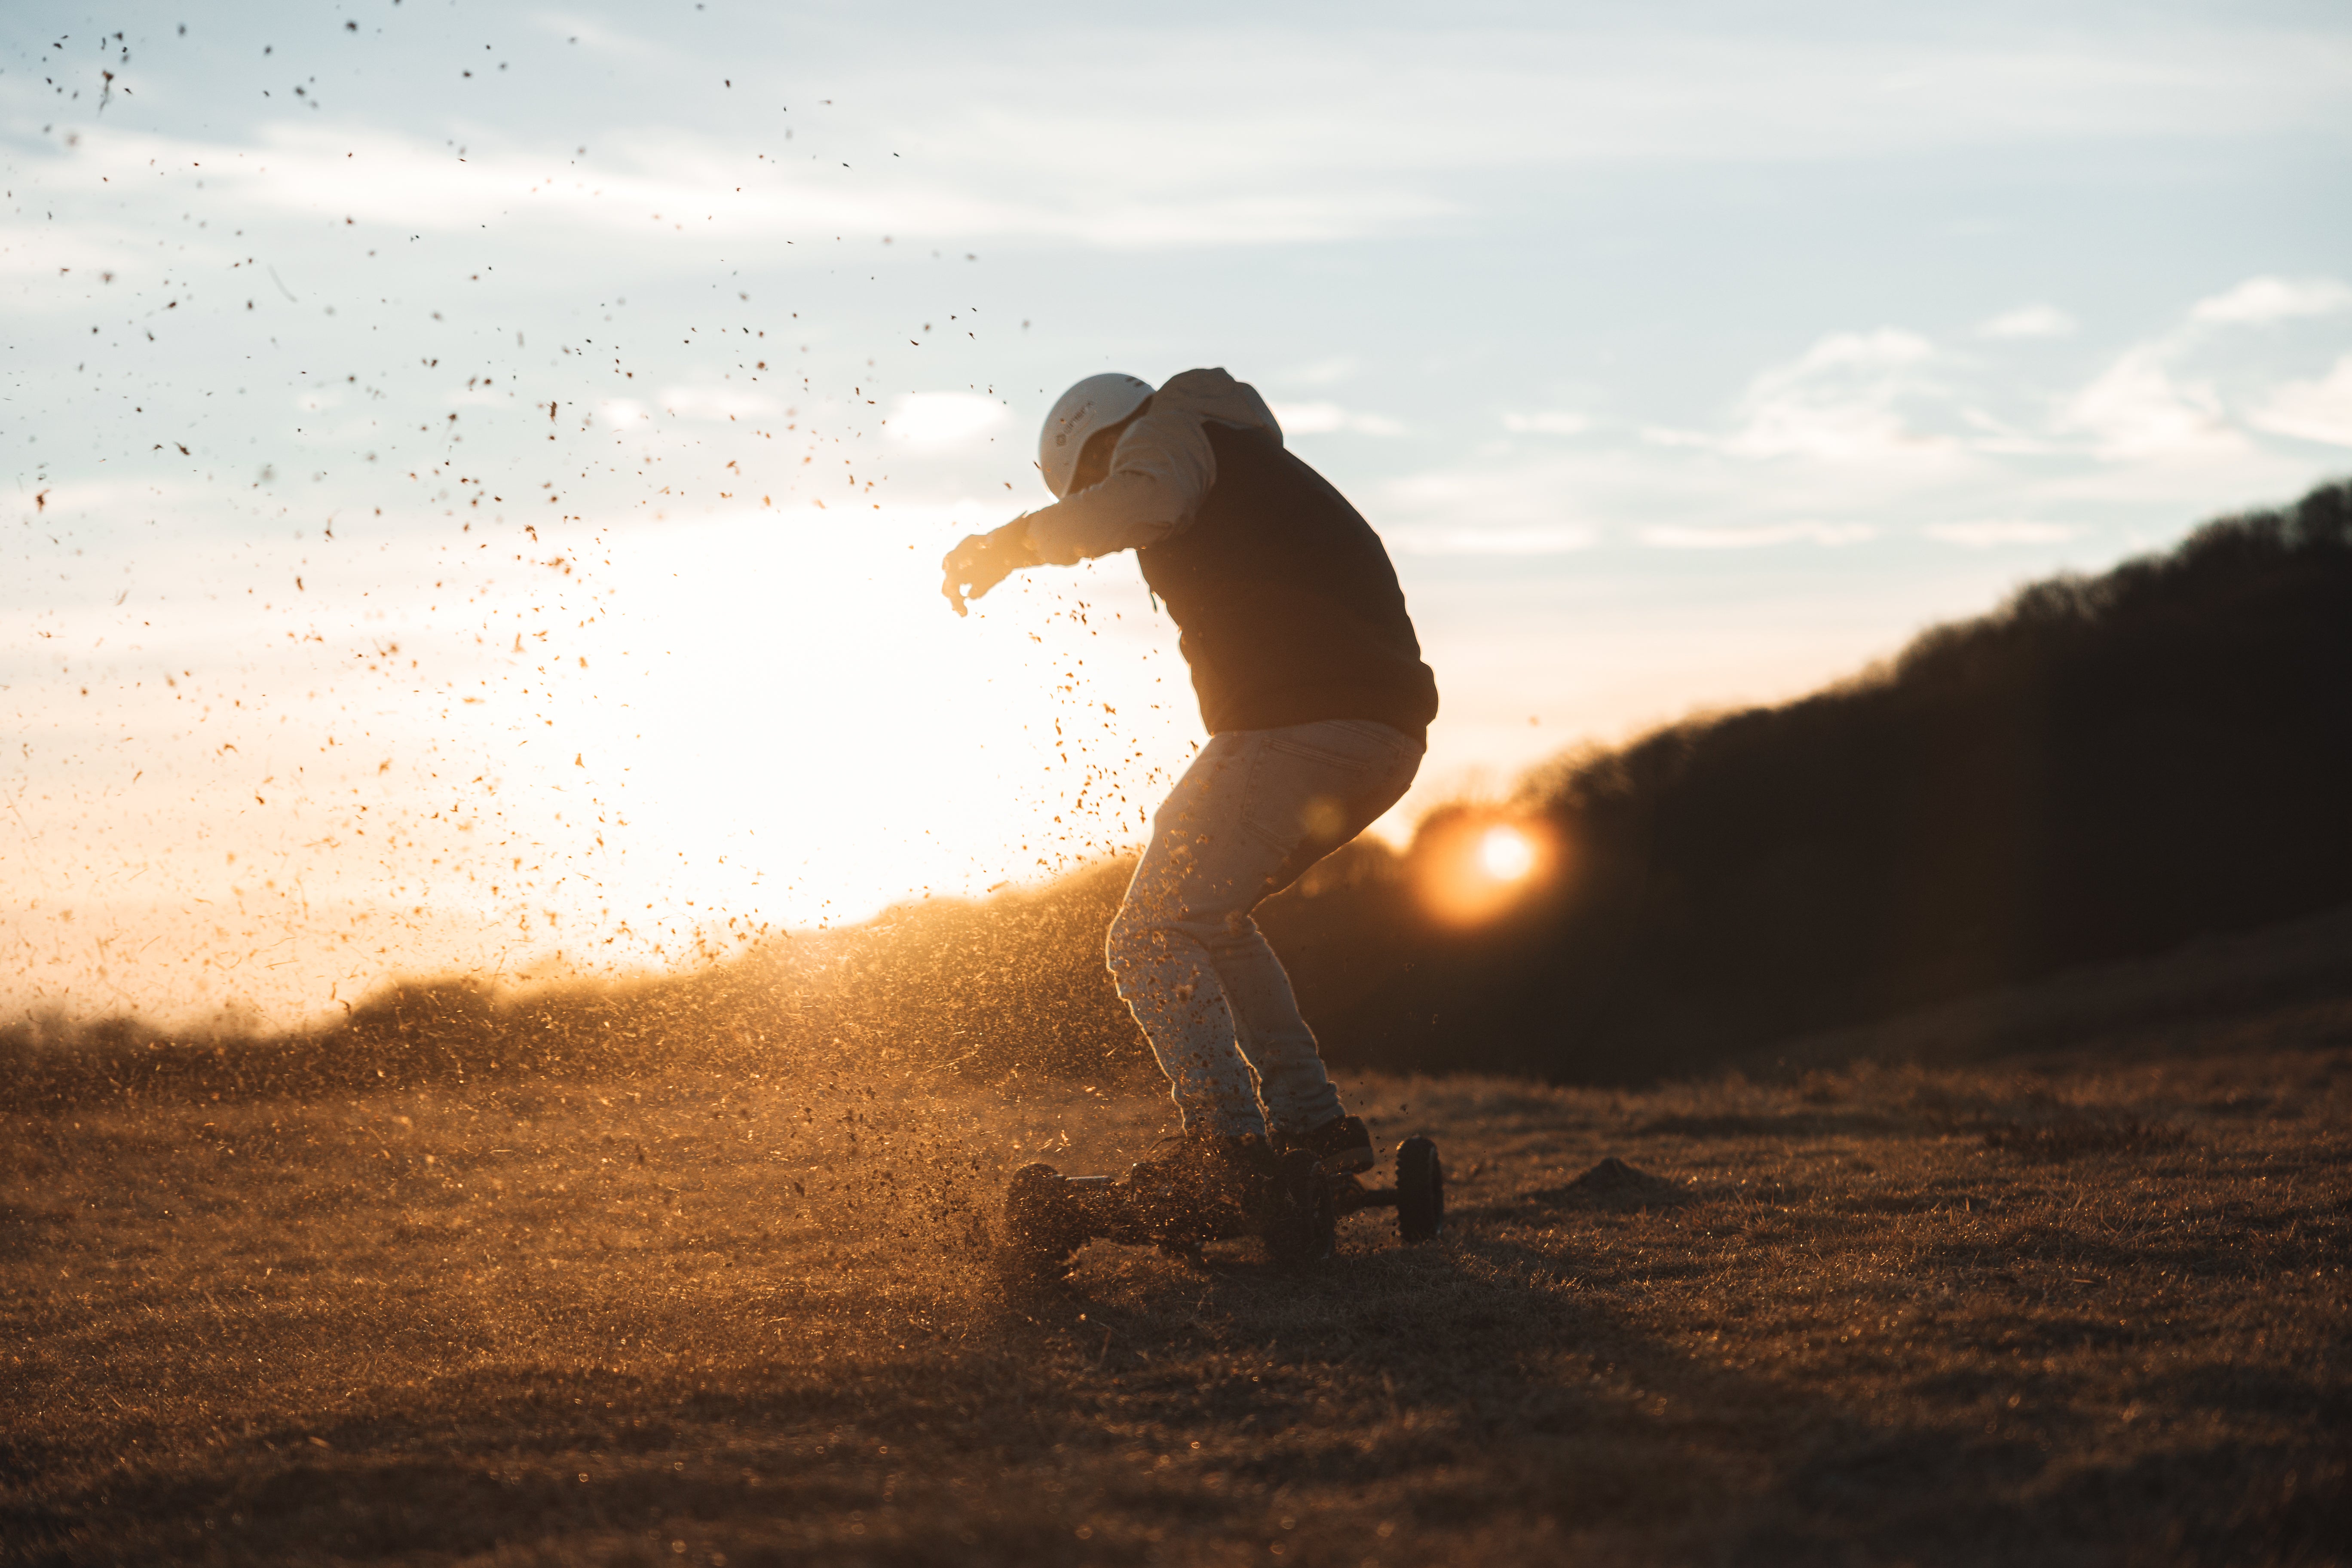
702,731
933,754
1474,867
1506,853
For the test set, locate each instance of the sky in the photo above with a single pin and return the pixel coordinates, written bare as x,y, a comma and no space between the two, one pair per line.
476,474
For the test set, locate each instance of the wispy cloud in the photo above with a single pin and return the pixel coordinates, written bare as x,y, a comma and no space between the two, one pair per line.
1403,101
2029,322
1991,532
1843,403
712,405
2259,302
715,405
1542,507
1294,137
1327,372
2316,410
1327,418
2137,409
1857,435
1548,424
587,31
945,418
1757,537
2159,402
677,186
1558,539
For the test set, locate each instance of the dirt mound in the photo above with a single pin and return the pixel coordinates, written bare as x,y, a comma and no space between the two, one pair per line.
1614,1183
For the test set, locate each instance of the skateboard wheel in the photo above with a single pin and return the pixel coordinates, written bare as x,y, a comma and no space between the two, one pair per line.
1421,1190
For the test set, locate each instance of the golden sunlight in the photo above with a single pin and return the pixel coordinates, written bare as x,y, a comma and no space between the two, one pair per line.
1473,866
813,736
1506,853
695,732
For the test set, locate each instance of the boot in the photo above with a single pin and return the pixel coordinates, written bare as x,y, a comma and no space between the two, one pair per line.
1342,1144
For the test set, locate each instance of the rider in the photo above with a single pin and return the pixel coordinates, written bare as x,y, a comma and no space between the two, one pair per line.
1318,706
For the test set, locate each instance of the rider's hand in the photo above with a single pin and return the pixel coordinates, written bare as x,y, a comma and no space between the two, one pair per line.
984,560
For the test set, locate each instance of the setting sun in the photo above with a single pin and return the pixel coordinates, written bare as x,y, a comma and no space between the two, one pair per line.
1506,853
1473,866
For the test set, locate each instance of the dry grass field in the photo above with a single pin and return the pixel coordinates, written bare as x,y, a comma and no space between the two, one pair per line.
2078,1309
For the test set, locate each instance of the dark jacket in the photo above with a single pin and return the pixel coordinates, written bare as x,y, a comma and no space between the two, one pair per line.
1289,608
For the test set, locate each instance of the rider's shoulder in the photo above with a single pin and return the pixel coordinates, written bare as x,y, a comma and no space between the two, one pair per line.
1211,393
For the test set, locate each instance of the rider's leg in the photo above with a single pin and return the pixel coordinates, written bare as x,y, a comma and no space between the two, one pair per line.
1320,784
1267,1026
1256,809
1186,881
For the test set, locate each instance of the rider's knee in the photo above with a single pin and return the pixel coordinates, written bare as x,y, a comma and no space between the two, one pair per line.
1135,940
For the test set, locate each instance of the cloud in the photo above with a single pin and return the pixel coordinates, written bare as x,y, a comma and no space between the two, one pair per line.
2319,410
2258,302
90,252
714,405
1542,507
2029,322
1758,537
1311,104
661,186
578,29
2144,406
1992,531
1839,403
945,418
2136,409
79,496
710,405
1554,424
1324,418
1321,373
1998,436
1555,539
1298,134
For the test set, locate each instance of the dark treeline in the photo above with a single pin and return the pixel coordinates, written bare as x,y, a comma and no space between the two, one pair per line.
2103,767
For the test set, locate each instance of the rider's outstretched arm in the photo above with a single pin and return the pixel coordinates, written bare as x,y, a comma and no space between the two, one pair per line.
1161,472
984,560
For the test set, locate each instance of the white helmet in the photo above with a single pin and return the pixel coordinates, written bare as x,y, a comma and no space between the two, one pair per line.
1094,403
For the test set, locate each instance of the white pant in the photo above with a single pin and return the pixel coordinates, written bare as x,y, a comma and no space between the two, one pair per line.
1256,809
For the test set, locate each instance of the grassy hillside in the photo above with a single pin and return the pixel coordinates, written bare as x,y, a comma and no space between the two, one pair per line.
698,1268
2080,1311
